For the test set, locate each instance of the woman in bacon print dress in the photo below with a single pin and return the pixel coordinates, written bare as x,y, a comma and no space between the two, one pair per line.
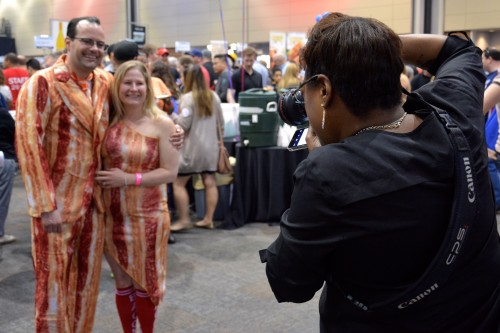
139,160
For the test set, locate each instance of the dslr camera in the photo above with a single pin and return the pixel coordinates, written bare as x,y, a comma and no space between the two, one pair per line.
291,107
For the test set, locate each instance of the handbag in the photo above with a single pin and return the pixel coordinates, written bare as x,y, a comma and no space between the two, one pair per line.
223,165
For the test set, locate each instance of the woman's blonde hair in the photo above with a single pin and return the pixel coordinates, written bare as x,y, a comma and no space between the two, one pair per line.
150,109
202,96
290,78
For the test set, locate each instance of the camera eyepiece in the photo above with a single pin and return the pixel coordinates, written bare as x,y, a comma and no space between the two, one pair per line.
291,107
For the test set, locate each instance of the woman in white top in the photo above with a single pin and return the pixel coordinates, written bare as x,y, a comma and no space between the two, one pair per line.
200,111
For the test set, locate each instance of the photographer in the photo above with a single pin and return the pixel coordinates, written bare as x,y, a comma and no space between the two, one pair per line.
379,185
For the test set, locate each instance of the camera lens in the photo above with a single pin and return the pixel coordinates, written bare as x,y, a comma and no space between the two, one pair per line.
291,108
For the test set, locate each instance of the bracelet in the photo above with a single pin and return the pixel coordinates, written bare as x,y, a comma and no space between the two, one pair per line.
125,179
138,179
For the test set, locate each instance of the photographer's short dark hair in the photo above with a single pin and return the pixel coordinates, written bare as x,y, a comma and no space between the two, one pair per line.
360,56
71,30
492,53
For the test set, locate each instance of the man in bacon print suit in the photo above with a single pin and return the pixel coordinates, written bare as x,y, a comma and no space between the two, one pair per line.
62,115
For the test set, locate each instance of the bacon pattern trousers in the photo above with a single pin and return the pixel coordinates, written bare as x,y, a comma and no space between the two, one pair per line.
67,271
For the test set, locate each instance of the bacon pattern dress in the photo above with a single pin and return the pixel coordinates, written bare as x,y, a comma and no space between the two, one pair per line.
137,218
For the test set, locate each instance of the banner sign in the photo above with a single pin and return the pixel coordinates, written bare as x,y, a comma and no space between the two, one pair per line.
181,46
138,34
44,42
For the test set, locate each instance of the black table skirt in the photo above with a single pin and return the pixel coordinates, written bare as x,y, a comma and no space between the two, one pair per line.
231,147
263,184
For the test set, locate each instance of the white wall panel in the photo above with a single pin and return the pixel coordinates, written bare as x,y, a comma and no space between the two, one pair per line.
198,22
32,17
471,14
112,13
27,18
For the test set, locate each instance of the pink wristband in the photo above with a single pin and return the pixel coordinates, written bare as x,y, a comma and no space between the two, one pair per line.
138,179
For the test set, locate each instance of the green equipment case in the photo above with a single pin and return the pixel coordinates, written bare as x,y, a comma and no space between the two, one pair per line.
258,118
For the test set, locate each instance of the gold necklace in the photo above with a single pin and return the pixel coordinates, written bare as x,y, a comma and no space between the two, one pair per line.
395,124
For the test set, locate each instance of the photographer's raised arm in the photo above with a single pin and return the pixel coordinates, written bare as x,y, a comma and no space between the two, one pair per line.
421,49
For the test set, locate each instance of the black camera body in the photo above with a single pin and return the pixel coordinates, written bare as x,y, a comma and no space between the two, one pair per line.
291,107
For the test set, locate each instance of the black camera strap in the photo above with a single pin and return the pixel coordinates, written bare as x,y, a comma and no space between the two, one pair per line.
463,214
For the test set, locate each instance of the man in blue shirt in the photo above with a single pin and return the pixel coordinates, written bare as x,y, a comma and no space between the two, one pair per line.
491,64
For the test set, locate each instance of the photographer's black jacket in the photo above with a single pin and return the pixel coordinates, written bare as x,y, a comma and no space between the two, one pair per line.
369,213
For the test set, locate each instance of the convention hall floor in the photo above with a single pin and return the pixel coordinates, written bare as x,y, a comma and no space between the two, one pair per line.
215,284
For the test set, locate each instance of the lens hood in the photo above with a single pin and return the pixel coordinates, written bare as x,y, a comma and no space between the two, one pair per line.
291,107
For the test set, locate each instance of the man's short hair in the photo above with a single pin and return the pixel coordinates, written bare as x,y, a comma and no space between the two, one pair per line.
249,51
206,54
12,58
52,56
148,49
71,30
221,56
492,53
224,58
125,50
33,63
21,60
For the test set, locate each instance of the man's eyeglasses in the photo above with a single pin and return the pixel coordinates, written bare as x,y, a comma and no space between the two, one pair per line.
90,43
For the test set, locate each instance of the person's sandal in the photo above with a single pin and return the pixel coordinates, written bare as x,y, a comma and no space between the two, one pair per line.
203,224
179,226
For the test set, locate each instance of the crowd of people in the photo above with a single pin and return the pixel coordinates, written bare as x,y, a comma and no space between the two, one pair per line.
97,144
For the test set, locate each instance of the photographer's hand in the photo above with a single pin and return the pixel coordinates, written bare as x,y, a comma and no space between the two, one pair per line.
312,139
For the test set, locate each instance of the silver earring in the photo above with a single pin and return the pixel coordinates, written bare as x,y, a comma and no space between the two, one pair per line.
323,120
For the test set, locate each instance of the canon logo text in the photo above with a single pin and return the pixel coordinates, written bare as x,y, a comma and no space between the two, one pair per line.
419,297
471,195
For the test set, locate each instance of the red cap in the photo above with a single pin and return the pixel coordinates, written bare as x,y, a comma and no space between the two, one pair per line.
162,51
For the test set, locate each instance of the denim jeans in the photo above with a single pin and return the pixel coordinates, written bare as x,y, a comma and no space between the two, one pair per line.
7,173
494,169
